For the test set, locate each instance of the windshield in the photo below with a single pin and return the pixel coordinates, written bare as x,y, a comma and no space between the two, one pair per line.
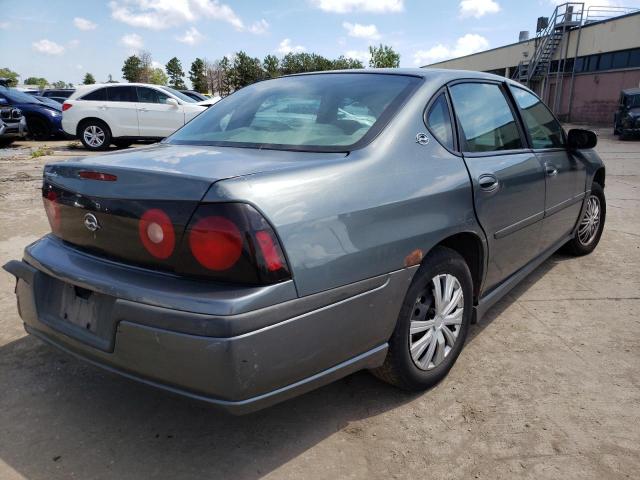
632,101
326,112
178,94
16,96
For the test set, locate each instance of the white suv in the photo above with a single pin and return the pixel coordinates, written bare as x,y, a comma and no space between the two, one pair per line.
102,114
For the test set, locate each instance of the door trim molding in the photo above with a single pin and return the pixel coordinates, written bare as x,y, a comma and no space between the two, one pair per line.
519,225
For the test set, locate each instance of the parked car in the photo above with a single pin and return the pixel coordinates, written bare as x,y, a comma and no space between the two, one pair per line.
43,119
307,227
12,125
626,120
57,92
120,114
196,96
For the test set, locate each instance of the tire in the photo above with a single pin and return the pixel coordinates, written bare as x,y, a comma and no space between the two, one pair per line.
122,143
94,134
400,369
5,142
588,234
39,129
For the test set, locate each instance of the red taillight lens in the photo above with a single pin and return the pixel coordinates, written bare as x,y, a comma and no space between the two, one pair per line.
66,106
216,243
52,208
232,242
270,250
156,233
105,177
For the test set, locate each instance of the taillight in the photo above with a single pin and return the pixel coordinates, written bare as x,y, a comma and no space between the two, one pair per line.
232,242
91,175
52,208
66,106
156,233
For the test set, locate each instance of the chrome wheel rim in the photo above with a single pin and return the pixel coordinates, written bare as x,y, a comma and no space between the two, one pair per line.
590,222
94,135
436,321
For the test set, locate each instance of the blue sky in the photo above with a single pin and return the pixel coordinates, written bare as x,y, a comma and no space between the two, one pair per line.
64,39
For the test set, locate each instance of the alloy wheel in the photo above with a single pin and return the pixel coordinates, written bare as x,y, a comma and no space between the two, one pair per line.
94,136
436,321
590,222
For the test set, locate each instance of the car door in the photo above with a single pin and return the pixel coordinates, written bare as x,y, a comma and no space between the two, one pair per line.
565,175
156,117
120,111
507,178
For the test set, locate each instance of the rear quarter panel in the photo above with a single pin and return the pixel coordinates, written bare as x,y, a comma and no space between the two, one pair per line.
367,214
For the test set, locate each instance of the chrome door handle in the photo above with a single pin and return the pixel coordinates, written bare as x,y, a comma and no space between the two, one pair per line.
488,182
551,170
103,107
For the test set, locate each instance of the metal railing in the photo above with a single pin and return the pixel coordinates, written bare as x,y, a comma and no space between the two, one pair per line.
605,12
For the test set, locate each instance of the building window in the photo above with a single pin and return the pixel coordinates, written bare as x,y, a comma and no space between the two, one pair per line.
634,58
605,61
620,60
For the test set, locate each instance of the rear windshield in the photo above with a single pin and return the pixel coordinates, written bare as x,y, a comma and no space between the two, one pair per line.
328,112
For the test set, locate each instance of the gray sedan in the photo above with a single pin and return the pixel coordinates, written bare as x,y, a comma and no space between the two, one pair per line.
308,227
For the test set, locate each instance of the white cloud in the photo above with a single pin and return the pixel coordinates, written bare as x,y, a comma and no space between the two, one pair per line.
478,8
361,31
162,14
372,6
259,27
465,45
48,47
84,24
191,36
286,47
133,41
361,55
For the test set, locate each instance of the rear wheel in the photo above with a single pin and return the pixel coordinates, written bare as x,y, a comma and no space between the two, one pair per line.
94,135
591,224
39,129
432,325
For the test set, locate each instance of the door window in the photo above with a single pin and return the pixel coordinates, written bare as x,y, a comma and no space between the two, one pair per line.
121,94
150,95
439,121
485,118
97,95
544,129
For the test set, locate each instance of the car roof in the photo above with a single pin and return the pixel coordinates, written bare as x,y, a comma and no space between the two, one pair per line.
444,74
84,89
631,91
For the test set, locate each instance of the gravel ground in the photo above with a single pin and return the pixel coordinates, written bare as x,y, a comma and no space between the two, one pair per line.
547,386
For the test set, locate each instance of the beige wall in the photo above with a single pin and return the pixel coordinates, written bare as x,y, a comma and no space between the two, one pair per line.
617,34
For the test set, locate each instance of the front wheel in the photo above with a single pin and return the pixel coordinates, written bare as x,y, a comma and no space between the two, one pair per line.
432,325
95,135
591,224
39,129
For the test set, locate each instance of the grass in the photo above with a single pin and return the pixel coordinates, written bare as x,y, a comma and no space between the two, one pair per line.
41,152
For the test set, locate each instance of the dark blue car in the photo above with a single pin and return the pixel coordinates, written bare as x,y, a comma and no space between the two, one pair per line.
43,119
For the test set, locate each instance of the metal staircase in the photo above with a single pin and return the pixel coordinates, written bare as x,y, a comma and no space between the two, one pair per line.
548,41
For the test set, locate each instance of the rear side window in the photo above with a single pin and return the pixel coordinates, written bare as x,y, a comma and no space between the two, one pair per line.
121,94
97,95
543,128
439,121
149,95
485,118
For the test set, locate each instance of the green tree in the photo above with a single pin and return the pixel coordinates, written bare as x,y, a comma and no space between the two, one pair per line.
384,57
59,84
198,76
271,66
224,81
88,79
158,77
245,70
176,74
304,62
343,63
10,75
39,81
132,69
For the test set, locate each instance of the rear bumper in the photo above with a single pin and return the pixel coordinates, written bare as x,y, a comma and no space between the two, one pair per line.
239,362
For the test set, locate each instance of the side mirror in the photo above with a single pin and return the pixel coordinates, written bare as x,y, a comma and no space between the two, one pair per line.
172,101
579,139
3,101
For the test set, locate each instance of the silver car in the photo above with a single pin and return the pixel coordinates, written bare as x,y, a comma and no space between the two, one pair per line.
308,227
